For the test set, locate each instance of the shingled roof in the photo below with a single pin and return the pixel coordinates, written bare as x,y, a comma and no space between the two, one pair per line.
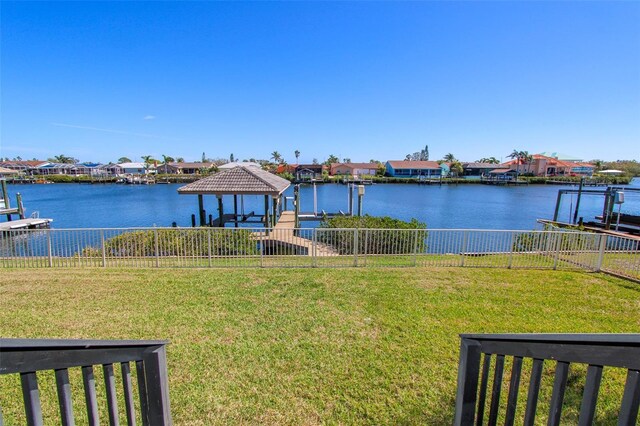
239,180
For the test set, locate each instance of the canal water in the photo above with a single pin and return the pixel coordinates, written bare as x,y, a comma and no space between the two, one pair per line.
447,206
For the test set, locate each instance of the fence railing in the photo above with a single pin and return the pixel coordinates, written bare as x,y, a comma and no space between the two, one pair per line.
477,400
319,247
74,358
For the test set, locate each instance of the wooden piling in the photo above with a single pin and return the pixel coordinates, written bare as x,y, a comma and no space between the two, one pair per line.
220,212
203,216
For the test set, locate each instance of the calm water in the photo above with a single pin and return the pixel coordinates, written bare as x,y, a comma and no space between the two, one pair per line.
447,206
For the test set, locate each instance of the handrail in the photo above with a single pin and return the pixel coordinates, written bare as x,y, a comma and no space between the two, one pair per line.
595,350
29,356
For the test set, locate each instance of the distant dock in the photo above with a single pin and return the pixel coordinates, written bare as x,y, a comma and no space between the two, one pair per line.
32,223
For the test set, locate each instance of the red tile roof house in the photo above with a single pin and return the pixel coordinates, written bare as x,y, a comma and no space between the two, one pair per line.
413,169
542,165
354,169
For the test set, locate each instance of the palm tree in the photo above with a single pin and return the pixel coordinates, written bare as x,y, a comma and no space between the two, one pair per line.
526,158
490,160
297,154
449,158
516,156
276,157
167,159
124,160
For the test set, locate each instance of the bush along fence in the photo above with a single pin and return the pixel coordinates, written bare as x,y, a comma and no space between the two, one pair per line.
319,247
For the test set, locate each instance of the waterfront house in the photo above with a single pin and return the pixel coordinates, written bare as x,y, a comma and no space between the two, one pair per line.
136,168
308,171
28,167
475,170
192,168
69,169
501,174
353,169
541,165
413,169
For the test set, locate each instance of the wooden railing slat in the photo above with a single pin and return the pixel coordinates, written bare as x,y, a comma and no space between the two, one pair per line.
64,397
496,389
557,396
142,390
112,401
534,390
484,381
128,393
630,399
514,386
31,397
590,395
89,382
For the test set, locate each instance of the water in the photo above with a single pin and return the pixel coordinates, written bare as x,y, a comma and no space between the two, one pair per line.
446,206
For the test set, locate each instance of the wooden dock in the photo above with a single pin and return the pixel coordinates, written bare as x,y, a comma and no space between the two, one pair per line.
283,234
32,223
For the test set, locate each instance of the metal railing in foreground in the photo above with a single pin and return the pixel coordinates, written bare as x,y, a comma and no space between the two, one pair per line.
319,247
32,357
476,400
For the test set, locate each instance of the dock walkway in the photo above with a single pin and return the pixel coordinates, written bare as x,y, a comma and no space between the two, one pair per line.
33,223
283,233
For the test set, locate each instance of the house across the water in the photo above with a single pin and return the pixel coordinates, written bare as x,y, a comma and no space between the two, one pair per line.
354,169
413,169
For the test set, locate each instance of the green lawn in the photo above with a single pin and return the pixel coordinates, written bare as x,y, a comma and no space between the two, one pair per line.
309,346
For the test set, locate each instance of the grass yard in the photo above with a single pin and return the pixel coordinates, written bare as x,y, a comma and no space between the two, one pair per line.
310,346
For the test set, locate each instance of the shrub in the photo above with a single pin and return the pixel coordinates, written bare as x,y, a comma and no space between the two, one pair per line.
180,242
375,235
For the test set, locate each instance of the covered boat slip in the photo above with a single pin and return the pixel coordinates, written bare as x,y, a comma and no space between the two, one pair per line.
239,181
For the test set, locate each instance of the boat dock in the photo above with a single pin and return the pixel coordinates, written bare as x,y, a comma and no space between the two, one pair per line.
283,235
31,223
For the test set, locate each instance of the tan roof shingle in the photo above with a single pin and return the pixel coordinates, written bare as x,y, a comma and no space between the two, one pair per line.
239,180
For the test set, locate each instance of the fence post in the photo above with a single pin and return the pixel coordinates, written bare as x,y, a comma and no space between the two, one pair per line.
465,236
415,248
49,248
366,245
558,246
314,246
209,245
511,249
601,250
264,238
468,373
156,247
104,249
355,247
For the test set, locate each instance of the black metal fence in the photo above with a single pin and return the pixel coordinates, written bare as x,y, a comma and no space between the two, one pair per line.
477,404
29,357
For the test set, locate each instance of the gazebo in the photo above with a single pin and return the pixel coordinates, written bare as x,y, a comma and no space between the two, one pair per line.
238,181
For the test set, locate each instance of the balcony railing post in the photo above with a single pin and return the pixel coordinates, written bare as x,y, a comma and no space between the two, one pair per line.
558,246
468,373
512,249
155,371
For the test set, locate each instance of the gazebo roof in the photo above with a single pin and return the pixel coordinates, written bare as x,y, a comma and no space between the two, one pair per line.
240,181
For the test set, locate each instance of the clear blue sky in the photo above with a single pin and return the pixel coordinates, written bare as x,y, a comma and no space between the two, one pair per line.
98,81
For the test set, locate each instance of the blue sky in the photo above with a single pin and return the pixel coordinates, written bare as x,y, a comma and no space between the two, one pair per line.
361,80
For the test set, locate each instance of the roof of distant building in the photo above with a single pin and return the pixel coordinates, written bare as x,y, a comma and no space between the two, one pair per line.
238,180
403,164
134,165
476,165
560,156
239,164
